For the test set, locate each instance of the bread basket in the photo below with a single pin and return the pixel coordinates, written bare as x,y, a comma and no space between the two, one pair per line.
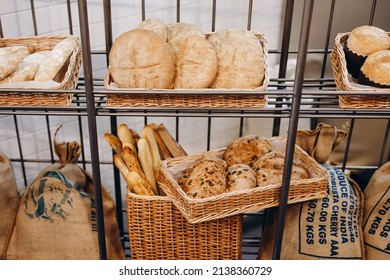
233,203
55,96
157,230
345,82
200,98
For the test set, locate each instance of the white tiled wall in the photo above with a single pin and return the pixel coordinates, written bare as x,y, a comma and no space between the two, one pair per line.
267,18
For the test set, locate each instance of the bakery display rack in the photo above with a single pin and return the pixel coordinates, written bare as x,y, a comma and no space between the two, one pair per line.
288,100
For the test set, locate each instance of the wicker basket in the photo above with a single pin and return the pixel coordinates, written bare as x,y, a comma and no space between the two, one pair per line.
44,98
345,82
201,98
232,203
157,230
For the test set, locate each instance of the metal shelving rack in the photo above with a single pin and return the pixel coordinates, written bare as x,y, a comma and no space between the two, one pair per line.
286,98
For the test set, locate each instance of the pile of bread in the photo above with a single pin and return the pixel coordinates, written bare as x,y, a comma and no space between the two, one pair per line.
248,162
138,156
24,66
367,53
181,56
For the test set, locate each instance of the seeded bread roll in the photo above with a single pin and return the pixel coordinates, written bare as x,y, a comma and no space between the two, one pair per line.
269,169
139,58
56,59
155,25
376,70
206,178
240,177
240,59
10,57
246,150
26,69
363,41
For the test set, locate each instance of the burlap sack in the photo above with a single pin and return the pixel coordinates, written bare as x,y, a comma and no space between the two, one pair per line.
57,218
376,218
327,228
9,202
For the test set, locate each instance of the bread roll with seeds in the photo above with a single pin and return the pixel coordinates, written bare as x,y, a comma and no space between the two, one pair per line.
240,177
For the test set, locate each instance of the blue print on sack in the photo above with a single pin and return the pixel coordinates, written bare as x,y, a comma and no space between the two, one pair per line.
50,200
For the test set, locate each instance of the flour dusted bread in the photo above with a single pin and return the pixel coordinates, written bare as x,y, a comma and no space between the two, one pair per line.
247,150
240,59
56,59
376,70
10,57
240,177
139,58
26,69
269,169
195,59
206,178
156,26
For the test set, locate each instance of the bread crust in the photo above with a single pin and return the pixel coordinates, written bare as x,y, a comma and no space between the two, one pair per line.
365,40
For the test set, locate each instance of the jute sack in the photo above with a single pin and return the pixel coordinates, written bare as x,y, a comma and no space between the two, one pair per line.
327,228
376,218
9,202
57,218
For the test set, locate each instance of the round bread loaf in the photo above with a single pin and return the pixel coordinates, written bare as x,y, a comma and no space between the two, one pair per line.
363,41
180,30
155,25
139,58
10,57
247,150
376,70
240,177
56,59
269,169
206,178
240,59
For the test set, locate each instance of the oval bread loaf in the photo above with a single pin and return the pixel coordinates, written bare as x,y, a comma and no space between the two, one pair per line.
156,26
56,59
10,57
139,58
240,177
240,59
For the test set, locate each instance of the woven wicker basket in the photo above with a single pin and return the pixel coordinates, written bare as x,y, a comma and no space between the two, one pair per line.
58,97
345,82
191,98
232,203
157,230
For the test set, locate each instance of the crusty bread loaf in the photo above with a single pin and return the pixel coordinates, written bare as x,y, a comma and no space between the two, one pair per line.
148,133
240,177
56,59
376,69
269,169
365,40
180,30
146,160
246,150
10,57
139,58
240,59
206,178
26,69
156,26
126,138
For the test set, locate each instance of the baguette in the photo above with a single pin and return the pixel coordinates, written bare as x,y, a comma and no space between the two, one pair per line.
148,134
114,142
131,160
134,182
146,160
174,147
125,136
163,149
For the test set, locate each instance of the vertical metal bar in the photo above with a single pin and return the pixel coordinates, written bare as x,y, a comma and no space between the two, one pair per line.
284,56
107,27
178,11
372,15
348,144
177,127
250,9
87,68
208,132
69,17
143,9
49,138
20,149
1,30
213,15
293,123
314,121
241,125
34,19
384,145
